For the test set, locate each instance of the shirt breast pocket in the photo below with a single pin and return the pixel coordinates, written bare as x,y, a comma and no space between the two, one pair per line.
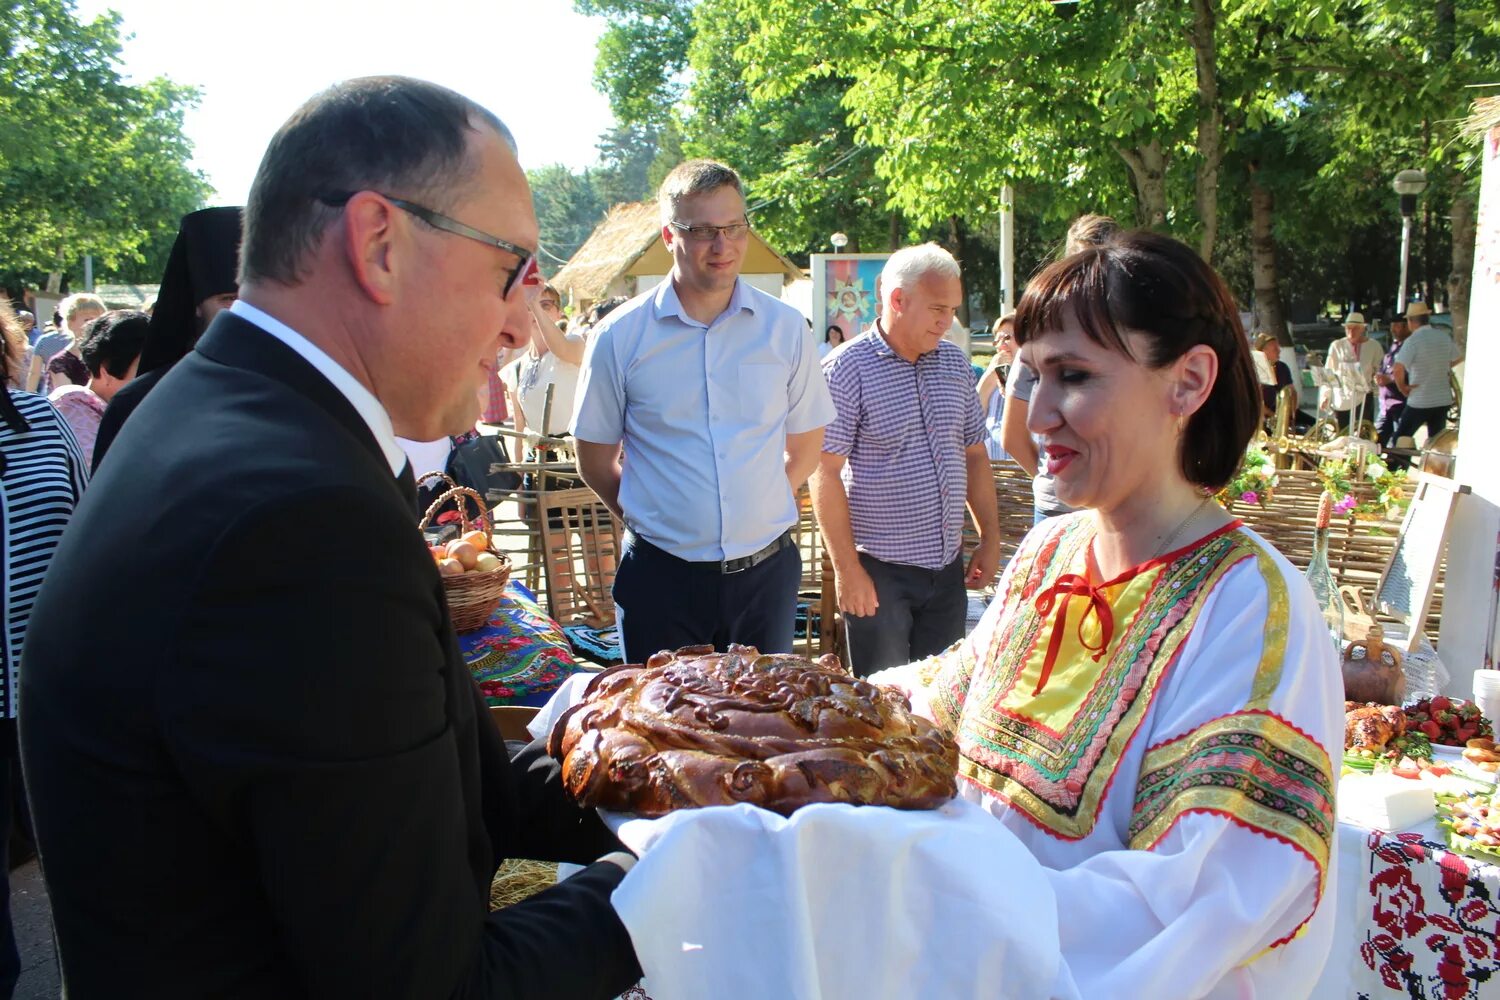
889,422
762,394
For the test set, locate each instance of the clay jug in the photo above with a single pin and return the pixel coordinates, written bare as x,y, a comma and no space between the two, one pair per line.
1372,670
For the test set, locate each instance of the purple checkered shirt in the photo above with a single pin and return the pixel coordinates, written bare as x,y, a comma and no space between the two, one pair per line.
904,428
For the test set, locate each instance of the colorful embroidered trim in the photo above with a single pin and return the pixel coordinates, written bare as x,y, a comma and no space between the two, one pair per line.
1056,771
1278,621
1254,768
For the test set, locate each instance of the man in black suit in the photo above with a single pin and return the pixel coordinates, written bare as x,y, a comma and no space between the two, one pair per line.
258,763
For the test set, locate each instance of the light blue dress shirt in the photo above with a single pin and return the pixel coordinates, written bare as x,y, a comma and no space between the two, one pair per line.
703,412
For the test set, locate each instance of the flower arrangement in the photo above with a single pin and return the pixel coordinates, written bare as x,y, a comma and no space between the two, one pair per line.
1255,483
1387,488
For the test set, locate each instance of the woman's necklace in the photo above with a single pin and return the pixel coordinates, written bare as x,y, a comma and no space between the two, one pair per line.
530,371
1192,515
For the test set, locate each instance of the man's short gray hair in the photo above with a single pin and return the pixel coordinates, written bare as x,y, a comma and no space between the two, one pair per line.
693,177
910,265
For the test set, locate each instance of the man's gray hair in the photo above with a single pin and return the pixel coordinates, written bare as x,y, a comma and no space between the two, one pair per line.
910,265
402,137
693,177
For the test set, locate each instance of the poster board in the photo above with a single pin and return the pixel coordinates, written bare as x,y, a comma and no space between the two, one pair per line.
1407,582
845,291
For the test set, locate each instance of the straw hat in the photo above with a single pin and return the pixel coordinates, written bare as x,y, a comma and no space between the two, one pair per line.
1355,319
1417,310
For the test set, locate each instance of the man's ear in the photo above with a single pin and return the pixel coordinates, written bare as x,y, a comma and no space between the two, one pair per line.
667,235
1193,379
368,231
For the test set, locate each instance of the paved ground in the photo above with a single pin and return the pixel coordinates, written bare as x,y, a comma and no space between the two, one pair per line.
32,916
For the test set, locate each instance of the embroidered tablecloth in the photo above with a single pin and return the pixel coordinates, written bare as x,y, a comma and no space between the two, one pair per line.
1431,924
1414,920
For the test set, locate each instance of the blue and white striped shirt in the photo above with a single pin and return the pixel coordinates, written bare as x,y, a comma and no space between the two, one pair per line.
904,427
44,474
1427,355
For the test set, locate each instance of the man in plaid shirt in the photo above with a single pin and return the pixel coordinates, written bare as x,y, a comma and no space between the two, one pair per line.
900,461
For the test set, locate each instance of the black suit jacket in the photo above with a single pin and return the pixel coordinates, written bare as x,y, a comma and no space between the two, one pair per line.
258,764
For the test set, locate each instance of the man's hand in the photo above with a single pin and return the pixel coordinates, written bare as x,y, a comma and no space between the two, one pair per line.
856,591
983,564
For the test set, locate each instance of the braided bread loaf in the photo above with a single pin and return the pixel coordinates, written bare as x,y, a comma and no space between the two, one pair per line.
699,728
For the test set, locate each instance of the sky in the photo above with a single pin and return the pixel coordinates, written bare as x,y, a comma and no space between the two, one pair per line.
529,61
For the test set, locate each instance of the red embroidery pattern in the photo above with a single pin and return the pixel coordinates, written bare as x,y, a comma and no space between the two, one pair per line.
1434,922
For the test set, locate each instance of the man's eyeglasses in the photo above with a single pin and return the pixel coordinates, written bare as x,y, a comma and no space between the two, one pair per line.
526,273
707,234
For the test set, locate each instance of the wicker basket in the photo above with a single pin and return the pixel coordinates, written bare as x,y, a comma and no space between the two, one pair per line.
472,596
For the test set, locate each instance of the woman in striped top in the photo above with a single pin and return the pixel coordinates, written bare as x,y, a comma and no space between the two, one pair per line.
42,474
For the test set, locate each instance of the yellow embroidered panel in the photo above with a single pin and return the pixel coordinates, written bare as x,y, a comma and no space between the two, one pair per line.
1052,753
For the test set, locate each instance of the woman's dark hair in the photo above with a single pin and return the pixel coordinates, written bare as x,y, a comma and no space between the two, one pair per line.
406,138
1146,283
832,329
113,341
601,309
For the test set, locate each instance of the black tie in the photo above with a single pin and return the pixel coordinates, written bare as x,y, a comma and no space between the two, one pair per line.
408,484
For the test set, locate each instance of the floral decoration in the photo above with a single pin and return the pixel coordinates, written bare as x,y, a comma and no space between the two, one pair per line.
1255,483
1387,488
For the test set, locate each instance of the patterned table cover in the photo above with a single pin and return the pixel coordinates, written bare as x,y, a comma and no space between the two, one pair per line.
521,655
1429,927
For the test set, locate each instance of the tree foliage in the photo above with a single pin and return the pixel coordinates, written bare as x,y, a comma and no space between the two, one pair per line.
89,164
892,119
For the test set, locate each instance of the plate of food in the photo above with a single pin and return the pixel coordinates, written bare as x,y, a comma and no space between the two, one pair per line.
1448,722
1380,737
1471,823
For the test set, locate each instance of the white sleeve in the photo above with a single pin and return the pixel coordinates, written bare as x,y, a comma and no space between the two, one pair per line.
599,407
1223,872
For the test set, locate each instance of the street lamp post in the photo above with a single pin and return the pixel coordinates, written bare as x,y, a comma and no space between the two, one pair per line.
839,241
1408,184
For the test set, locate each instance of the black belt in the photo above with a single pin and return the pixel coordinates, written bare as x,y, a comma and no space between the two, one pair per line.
754,559
728,566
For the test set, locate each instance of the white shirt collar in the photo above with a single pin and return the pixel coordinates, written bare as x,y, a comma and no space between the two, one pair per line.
362,399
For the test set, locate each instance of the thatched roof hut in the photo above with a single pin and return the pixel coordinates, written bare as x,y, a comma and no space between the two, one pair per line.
625,256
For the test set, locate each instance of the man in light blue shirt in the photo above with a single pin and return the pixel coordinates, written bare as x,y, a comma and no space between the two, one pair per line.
1421,372
700,413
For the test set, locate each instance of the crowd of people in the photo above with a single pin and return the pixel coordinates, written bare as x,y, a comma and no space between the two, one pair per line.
278,779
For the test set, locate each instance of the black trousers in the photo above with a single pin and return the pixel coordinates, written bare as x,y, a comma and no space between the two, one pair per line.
922,612
1435,418
1386,435
1362,412
663,602
10,795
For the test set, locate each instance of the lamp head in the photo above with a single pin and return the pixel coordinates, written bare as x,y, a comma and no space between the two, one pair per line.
1410,182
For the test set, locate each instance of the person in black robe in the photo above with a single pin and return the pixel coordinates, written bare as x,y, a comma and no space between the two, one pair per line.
201,279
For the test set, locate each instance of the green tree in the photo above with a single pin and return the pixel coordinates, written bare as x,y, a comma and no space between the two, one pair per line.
88,163
568,207
641,56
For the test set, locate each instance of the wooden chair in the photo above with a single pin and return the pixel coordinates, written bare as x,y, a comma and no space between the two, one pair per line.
586,540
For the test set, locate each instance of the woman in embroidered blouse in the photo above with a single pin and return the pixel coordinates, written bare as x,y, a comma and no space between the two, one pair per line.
1150,703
